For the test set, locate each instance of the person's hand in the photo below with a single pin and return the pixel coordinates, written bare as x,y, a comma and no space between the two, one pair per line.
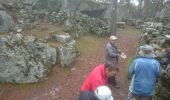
119,51
122,55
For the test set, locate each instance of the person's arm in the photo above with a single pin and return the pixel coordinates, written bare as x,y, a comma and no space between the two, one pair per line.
158,71
119,51
133,67
95,84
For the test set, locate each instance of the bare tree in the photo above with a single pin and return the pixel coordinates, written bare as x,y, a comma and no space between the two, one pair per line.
160,4
140,8
146,9
114,18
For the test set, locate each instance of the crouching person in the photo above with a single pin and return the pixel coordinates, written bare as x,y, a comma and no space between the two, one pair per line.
101,93
98,77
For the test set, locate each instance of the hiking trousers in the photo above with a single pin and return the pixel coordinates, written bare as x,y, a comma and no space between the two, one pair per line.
131,96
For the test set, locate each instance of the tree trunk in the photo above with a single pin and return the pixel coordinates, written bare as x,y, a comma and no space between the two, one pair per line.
114,17
146,9
161,5
140,8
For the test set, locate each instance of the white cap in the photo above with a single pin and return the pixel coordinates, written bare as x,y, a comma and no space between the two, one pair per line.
113,37
103,93
146,48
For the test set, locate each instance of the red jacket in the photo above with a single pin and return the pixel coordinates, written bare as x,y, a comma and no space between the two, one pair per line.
95,79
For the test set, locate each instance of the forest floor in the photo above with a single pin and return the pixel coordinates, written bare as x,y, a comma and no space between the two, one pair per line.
65,83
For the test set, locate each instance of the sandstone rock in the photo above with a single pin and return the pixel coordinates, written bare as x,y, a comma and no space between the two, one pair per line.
121,24
67,55
6,21
62,38
67,49
24,60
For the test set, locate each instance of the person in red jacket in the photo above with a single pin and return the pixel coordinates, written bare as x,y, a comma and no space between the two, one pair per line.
97,77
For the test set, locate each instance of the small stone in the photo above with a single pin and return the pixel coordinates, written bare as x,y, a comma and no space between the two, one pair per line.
19,30
73,69
1,92
167,37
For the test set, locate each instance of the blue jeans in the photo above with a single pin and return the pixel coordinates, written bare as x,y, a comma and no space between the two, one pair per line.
131,96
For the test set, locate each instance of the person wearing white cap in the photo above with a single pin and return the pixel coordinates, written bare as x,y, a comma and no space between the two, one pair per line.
111,57
144,71
103,93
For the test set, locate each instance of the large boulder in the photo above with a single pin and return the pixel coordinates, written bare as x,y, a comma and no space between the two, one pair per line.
166,29
67,55
50,5
6,21
67,49
88,7
81,24
79,16
24,60
163,89
95,9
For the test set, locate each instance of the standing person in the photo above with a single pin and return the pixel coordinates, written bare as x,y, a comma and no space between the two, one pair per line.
97,77
144,71
111,57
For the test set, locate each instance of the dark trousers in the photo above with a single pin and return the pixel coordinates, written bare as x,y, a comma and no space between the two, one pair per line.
87,95
131,96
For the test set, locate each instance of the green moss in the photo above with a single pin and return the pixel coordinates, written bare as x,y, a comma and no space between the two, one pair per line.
129,30
64,71
89,44
128,64
127,76
1,33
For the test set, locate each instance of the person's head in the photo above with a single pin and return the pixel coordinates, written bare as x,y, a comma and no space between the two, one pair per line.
103,93
110,70
112,39
146,51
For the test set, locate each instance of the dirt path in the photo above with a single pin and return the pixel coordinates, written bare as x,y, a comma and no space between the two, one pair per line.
64,84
